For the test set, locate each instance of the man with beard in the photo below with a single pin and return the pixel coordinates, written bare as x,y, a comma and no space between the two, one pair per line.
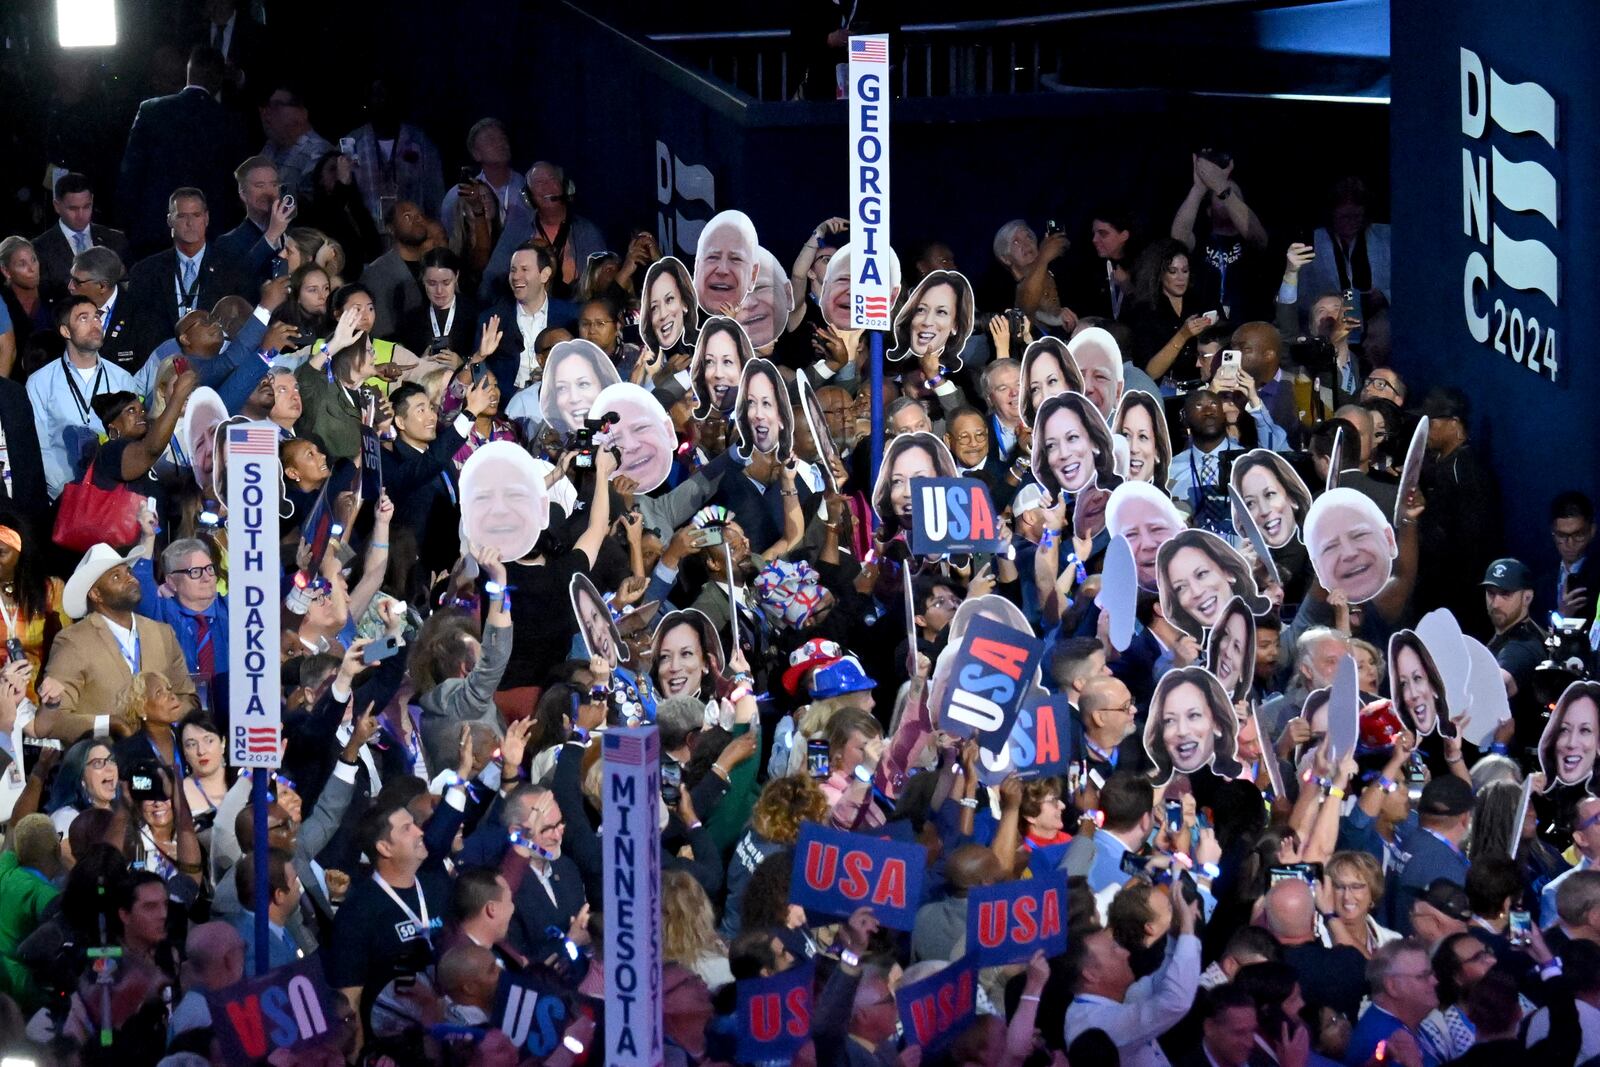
1316,657
94,660
1518,641
1260,348
1111,740
62,392
395,278
1196,476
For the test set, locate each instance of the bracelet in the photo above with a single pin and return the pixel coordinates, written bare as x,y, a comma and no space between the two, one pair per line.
935,381
1211,870
694,826
968,802
1030,996
377,544
719,771
1456,759
848,958
190,868
1336,793
1387,784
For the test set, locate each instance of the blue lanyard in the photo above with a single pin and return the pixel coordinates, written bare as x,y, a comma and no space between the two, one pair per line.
134,658
1105,757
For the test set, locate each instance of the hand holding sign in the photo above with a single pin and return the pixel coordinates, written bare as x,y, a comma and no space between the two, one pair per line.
837,872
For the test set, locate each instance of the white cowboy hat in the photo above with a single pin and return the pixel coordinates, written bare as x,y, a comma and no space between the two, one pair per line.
94,564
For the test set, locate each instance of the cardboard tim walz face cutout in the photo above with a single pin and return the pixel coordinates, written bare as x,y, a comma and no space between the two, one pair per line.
765,312
1143,515
935,322
1570,739
726,262
642,433
1416,686
1191,726
1351,543
908,456
1231,650
1273,493
595,625
766,418
503,500
1197,574
1072,447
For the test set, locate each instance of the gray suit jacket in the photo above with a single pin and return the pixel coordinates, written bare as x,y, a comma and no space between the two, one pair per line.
471,699
394,293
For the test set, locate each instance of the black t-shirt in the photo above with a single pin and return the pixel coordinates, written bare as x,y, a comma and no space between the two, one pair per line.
374,940
541,615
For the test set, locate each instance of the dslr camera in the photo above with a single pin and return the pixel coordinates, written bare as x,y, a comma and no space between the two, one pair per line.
1566,660
581,441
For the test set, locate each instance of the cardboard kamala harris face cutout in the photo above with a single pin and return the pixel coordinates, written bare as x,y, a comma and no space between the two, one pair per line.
684,650
1192,725
1351,543
503,500
642,433
1273,493
1567,746
600,634
908,456
1142,423
1047,369
1416,686
720,355
1072,446
574,374
766,418
936,320
671,315
1144,516
1231,650
1197,574
727,262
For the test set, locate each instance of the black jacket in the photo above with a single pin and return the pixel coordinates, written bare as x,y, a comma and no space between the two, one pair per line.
56,255
152,296
185,139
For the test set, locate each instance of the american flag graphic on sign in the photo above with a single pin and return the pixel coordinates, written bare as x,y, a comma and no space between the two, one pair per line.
875,305
629,750
253,441
260,740
869,50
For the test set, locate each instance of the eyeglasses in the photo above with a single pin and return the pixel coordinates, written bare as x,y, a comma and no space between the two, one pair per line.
1426,975
1574,538
1126,709
945,603
100,763
207,571
1483,953
1585,824
1380,384
1350,887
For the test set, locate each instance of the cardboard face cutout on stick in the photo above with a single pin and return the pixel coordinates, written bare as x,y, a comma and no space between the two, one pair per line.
720,356
1273,495
935,321
642,432
574,374
196,434
671,317
908,456
836,287
1442,635
1487,705
1072,449
1344,710
1417,688
1231,650
1142,422
1191,725
1197,573
503,500
1119,592
1351,543
1145,517
600,634
1099,361
1047,369
765,416
726,262
685,651
817,423
1411,472
765,312
1568,745
1247,528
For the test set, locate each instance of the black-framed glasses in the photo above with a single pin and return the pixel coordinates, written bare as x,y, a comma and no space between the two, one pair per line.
207,571
100,763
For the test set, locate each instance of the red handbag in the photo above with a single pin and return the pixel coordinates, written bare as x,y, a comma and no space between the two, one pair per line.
90,515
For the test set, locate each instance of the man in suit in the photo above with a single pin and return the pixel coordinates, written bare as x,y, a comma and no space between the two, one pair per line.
185,139
1444,814
515,363
239,41
97,273
165,287
21,460
418,473
1002,390
283,902
966,432
94,659
1229,1031
73,232
250,247
547,887
1572,529
1260,348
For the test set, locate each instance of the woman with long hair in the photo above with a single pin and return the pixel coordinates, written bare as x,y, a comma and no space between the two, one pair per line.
720,356
1191,726
784,804
209,777
1197,573
87,778
30,313
1141,419
1168,313
907,456
1072,447
1047,369
307,304
689,934
30,599
1494,828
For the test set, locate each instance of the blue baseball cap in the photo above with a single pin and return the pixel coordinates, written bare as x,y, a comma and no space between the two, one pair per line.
840,677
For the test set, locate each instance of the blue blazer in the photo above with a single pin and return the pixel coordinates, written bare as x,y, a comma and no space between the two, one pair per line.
508,357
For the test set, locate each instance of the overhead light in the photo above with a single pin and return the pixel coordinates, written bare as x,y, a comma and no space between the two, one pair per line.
86,23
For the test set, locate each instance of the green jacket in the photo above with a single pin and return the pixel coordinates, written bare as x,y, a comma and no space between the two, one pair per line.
328,414
24,894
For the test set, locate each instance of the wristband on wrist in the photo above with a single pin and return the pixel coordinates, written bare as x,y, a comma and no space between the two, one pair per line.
1387,784
1336,793
1211,870
968,802
848,958
1030,996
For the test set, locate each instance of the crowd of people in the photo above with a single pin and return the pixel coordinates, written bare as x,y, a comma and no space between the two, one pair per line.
534,489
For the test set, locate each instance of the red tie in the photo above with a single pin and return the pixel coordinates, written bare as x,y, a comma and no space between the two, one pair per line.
206,654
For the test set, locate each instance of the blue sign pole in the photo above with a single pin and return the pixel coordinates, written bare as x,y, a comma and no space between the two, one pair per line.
877,411
259,803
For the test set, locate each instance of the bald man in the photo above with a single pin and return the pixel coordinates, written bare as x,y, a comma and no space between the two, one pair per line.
468,977
214,959
1333,976
1260,348
1111,738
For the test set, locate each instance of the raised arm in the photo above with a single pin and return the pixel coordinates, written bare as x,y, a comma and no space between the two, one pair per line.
141,454
605,464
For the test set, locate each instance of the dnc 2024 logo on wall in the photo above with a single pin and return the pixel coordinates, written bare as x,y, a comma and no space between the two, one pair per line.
1511,285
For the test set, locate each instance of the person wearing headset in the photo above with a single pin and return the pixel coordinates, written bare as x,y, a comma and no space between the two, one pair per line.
571,238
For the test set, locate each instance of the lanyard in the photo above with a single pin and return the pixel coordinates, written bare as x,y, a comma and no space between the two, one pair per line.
422,904
84,411
1105,757
449,320
133,657
187,298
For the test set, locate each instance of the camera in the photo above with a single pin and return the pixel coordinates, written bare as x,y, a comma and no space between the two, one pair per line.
1313,354
145,783
1566,660
581,440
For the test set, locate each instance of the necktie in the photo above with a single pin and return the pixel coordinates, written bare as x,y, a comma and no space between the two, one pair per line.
189,268
80,241
206,653
1208,470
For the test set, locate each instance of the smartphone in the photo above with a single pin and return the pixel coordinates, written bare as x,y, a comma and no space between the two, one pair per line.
1174,813
381,649
1132,863
671,783
146,784
817,758
1352,310
1310,873
711,537
1212,317
347,146
1231,357
1521,928
466,177
288,201
14,650
480,370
